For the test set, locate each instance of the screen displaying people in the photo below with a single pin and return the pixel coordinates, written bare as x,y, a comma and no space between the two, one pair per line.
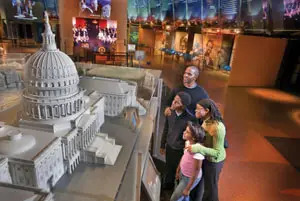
94,34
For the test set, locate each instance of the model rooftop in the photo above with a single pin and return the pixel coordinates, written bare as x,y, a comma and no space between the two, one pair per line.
21,143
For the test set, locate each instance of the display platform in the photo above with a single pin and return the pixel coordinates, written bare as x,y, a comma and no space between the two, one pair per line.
117,72
96,182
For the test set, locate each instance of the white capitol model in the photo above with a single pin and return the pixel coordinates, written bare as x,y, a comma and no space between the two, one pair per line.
61,123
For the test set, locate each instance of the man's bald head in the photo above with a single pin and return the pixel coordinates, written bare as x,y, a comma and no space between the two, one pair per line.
190,76
195,70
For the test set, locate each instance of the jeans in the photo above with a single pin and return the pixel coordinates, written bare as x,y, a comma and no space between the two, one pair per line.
177,194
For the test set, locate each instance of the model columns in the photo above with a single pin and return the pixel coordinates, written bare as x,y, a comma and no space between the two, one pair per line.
39,111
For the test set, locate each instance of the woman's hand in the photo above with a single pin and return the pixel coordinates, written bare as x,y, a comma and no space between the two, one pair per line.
185,192
189,148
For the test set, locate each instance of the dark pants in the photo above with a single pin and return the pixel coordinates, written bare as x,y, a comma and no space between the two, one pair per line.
211,179
197,193
173,157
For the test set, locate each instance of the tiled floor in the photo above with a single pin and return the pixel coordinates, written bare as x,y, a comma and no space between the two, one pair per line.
254,170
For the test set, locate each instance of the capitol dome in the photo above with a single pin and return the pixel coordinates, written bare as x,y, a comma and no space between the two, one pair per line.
51,82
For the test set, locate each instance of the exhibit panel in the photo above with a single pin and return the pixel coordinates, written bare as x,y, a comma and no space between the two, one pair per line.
256,61
180,42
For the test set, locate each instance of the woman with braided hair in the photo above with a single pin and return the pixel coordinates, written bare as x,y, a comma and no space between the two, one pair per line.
213,148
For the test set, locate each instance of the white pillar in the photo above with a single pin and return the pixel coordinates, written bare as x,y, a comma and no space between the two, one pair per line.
39,111
46,112
63,150
52,113
32,110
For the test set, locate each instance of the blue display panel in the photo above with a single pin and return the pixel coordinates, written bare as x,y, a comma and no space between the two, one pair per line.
210,9
194,9
250,14
229,9
180,9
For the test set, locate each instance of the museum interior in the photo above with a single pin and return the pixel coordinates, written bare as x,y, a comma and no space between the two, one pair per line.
84,85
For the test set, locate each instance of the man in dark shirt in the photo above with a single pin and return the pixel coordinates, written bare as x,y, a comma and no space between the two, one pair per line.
191,87
172,143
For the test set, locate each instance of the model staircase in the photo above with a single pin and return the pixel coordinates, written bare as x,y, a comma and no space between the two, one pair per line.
106,151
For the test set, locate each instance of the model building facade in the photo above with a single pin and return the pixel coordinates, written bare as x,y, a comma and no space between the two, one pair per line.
4,172
59,124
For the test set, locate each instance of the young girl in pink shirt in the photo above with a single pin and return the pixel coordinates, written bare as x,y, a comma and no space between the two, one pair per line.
189,169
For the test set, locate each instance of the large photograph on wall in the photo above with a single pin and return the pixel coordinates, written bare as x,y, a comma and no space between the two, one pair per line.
99,35
217,50
211,47
96,7
33,9
181,39
197,50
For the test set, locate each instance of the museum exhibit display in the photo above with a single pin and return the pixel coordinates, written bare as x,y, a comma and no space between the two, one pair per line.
60,123
59,128
81,86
